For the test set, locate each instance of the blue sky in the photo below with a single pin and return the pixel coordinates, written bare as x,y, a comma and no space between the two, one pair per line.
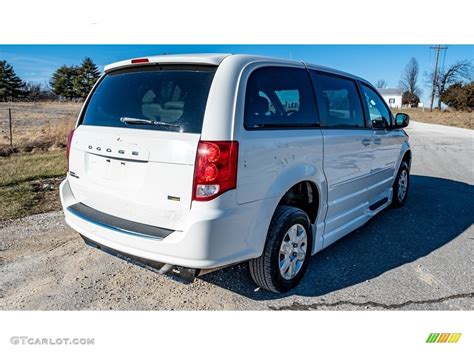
372,62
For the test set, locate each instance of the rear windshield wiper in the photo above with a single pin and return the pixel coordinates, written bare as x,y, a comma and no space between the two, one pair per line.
140,121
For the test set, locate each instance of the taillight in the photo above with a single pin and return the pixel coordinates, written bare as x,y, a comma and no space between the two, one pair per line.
68,146
215,171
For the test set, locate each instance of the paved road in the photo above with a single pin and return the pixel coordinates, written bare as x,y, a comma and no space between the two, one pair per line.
416,257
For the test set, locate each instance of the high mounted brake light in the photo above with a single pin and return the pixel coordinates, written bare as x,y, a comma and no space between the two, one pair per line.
140,60
215,171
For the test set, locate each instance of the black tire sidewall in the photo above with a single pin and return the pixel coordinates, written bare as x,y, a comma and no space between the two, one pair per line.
279,227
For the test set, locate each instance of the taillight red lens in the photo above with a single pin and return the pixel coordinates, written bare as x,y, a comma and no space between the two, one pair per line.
215,171
68,146
210,172
211,150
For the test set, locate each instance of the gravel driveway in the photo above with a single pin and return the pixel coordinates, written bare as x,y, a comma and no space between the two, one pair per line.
416,257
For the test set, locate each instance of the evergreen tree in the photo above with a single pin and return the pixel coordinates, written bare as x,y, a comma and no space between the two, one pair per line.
459,96
62,82
87,75
11,86
410,99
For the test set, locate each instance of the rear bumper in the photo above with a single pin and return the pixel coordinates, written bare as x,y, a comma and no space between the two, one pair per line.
212,238
107,221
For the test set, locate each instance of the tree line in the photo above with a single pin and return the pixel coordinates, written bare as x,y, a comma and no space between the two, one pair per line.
67,83
453,85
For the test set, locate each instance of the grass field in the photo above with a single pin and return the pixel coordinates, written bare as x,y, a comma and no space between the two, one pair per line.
29,183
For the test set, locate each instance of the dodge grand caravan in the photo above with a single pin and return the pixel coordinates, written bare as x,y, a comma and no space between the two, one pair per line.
190,163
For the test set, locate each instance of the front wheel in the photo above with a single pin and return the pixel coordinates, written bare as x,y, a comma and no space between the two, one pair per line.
401,185
287,251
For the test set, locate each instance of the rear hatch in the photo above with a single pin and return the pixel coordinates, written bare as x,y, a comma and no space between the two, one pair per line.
133,153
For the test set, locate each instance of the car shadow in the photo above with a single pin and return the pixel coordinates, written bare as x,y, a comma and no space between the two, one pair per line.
436,212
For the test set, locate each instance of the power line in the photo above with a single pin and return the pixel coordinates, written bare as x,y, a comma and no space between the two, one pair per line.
437,50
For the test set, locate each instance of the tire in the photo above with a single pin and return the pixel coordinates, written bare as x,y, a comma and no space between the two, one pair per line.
401,186
265,270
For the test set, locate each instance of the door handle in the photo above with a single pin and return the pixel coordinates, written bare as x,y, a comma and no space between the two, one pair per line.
366,142
377,141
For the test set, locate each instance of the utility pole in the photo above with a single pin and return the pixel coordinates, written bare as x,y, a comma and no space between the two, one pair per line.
437,49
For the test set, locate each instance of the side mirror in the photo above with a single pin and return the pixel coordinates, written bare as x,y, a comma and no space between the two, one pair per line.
401,120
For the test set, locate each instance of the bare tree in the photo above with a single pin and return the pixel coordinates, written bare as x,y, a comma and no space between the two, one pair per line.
381,84
409,79
458,72
37,92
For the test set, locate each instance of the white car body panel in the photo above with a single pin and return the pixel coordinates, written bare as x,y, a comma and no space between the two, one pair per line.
349,176
203,59
347,166
384,163
121,188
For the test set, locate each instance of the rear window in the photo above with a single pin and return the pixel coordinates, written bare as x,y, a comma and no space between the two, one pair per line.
172,98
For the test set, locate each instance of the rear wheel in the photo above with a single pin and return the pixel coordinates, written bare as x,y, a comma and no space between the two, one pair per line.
401,185
287,251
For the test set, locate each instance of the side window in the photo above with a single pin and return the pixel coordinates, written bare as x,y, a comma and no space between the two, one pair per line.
279,97
378,111
339,101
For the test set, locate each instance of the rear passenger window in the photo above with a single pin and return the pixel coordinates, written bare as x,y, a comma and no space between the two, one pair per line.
279,97
339,102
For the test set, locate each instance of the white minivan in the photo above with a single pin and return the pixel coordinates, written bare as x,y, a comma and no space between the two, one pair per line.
190,163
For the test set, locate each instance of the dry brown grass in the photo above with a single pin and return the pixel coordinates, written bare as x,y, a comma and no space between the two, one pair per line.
36,126
448,118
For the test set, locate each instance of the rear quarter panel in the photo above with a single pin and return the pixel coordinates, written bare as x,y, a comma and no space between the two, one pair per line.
403,141
270,161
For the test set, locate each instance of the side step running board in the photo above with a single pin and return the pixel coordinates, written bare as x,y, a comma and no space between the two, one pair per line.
377,204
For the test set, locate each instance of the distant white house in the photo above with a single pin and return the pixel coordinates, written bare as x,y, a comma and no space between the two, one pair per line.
393,97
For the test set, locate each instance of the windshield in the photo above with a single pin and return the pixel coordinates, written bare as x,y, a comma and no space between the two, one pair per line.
174,96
